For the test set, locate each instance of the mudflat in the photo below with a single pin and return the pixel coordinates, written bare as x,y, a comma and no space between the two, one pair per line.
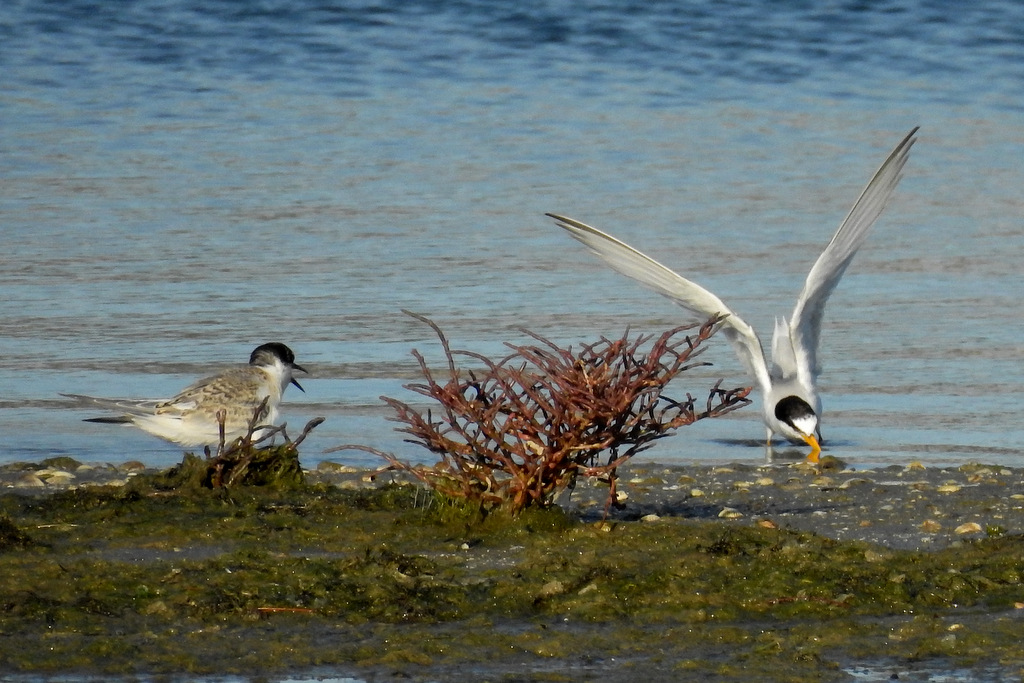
732,572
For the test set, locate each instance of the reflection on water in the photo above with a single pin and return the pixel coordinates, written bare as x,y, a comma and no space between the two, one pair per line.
183,181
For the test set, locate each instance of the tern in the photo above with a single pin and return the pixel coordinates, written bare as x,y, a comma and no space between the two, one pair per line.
190,418
790,404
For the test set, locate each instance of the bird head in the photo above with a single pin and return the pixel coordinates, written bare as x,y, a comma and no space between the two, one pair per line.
275,353
797,413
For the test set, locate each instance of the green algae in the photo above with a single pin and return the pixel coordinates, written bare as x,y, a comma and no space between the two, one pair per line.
152,579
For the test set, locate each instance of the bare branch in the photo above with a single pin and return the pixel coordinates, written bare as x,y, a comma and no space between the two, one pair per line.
519,430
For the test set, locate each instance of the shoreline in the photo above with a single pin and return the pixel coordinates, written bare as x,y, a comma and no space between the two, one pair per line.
911,507
701,572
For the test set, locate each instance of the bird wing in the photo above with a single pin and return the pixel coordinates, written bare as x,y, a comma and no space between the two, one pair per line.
805,324
127,406
691,296
224,388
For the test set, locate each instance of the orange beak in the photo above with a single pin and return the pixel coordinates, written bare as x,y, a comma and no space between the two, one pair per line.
815,448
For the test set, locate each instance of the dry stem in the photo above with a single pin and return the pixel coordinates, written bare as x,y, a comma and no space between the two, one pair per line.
521,429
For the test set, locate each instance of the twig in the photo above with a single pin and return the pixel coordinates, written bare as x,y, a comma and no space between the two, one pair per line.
521,429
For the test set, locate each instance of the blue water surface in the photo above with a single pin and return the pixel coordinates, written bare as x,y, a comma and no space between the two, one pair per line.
181,181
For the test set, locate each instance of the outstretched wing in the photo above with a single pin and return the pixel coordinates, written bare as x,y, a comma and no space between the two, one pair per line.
805,324
691,296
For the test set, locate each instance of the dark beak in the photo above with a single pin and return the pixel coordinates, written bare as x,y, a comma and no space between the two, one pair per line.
296,366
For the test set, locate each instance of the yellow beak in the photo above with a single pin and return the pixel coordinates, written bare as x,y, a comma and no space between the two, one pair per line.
815,448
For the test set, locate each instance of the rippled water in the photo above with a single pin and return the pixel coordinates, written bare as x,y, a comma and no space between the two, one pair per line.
181,181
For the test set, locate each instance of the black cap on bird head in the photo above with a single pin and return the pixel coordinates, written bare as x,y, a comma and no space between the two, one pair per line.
798,414
280,351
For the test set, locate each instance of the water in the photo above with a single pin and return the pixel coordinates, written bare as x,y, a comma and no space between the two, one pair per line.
182,181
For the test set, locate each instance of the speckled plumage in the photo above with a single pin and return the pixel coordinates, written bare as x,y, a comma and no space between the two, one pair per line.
190,418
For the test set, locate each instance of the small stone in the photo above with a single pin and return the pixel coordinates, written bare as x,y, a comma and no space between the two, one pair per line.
948,488
767,524
28,480
158,608
830,463
872,555
696,493
765,481
854,481
730,513
109,482
340,468
647,481
915,465
551,589
650,518
930,526
968,528
58,478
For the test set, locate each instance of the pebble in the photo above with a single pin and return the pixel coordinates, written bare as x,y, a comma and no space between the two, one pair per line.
28,480
968,528
56,477
551,589
730,513
872,555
